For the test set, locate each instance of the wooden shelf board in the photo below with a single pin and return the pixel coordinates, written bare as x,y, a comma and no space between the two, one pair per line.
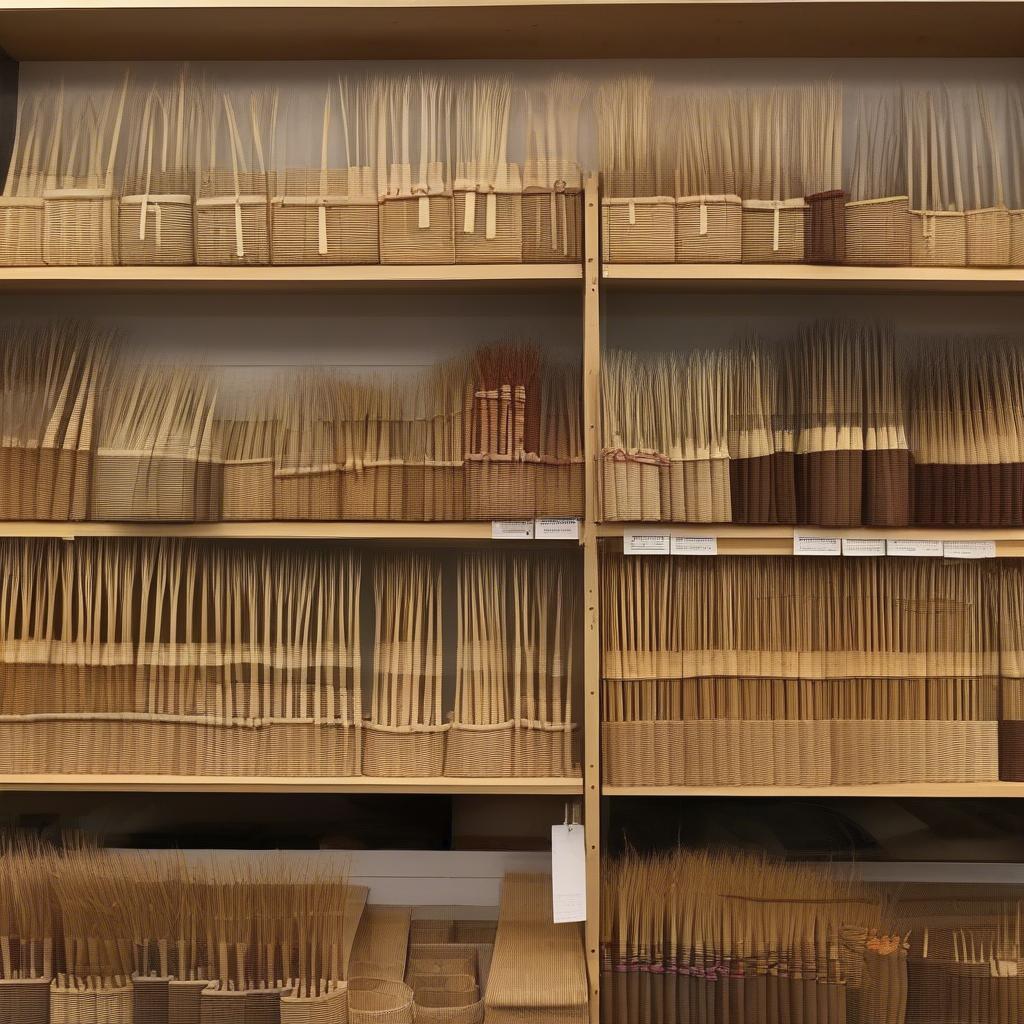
143,279
907,789
289,784
487,29
800,278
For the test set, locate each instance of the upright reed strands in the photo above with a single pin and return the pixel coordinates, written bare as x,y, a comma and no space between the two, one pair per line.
769,671
1014,148
820,112
987,218
246,438
21,202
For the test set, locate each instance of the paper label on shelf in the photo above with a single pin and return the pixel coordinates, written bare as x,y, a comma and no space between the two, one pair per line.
688,544
863,547
511,529
568,873
808,544
646,542
913,548
557,529
969,549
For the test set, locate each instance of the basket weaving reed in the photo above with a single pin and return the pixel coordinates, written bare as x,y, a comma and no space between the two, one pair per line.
988,219
329,215
246,439
1015,145
820,112
21,203
79,207
1011,670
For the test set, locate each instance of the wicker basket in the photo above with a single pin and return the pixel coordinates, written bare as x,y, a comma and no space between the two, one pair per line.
825,241
21,231
329,1008
1016,238
106,1003
184,1001
638,230
471,1014
413,751
773,230
938,238
417,229
878,232
80,225
709,229
25,1001
988,237
552,206
253,1006
489,223
149,1000
375,1001
232,222
480,751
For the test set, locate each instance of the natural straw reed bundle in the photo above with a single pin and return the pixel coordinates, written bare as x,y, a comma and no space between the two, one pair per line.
1015,156
987,218
637,213
552,179
820,112
878,214
1011,670
21,203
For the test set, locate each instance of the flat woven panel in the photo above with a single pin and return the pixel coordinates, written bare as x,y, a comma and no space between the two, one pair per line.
79,231
21,232
404,242
552,226
497,228
150,1000
145,485
825,241
638,230
91,1006
25,1002
773,234
988,237
938,239
709,229
167,231
232,227
878,232
406,752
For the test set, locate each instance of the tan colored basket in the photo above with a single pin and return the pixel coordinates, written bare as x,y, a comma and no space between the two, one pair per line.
25,1001
483,751
21,231
252,1006
709,229
472,1014
417,229
988,237
938,238
638,230
878,232
552,214
174,484
376,1001
105,1003
80,225
329,1008
488,225
404,751
184,1001
1016,238
773,230
157,230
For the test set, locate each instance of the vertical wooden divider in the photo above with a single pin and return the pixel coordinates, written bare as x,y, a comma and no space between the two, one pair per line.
591,595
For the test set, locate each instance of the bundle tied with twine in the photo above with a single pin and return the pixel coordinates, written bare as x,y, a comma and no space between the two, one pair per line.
801,673
637,210
552,181
878,213
325,210
516,667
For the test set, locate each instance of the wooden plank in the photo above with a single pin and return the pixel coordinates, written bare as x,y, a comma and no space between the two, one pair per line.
906,789
257,531
8,108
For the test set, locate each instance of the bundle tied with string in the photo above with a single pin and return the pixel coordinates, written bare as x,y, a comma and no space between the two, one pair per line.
938,236
232,216
405,732
988,219
79,207
488,189
416,206
247,432
637,213
21,204
515,677
552,199
813,672
156,216
708,218
878,213
329,215
820,112
49,382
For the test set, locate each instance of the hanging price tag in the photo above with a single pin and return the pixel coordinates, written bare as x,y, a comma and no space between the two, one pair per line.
568,874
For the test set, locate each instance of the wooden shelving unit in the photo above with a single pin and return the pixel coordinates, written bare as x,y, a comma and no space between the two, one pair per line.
975,790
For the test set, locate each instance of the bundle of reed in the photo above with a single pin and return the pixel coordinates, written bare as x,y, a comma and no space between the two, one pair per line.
437,436
637,213
987,219
329,215
558,470
538,975
878,213
709,220
966,433
1011,672
820,113
307,483
154,456
552,182
405,732
483,108
709,937
803,686
417,214
49,379
1015,148
515,667
938,235
232,221
21,203
770,142
829,425
155,217
79,207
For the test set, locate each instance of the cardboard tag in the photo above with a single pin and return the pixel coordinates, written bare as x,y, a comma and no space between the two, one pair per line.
969,549
511,529
687,544
863,547
807,544
568,874
646,542
556,529
913,548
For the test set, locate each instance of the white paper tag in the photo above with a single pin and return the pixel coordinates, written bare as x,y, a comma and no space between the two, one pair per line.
688,544
568,874
913,548
557,529
511,529
646,542
808,544
969,549
863,547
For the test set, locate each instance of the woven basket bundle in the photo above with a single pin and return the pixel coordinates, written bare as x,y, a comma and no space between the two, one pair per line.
326,211
1014,148
820,121
987,218
516,672
799,675
21,204
49,382
247,446
1011,667
703,937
